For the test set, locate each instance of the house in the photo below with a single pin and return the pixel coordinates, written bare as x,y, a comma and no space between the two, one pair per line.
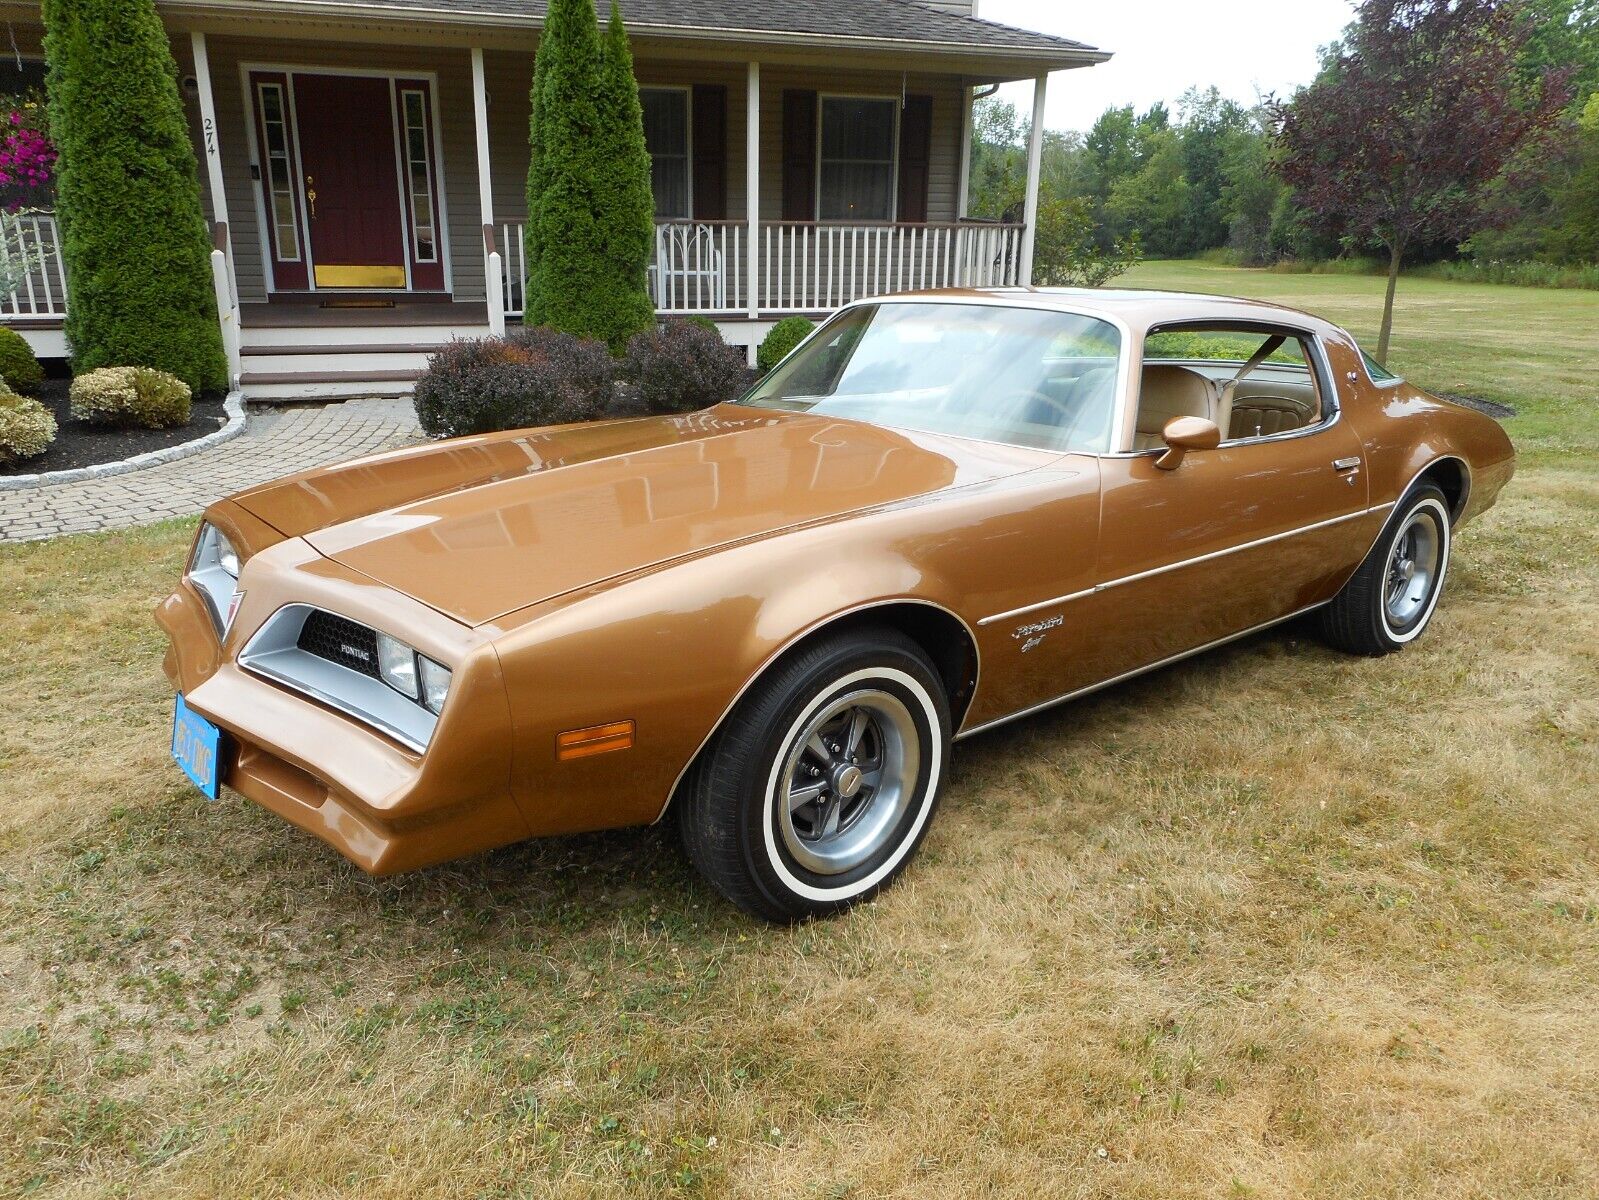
363,166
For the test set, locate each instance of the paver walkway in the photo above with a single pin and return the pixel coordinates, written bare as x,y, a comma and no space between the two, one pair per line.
275,442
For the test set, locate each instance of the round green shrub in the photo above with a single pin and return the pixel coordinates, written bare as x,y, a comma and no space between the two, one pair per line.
785,335
18,367
531,377
130,396
26,427
683,366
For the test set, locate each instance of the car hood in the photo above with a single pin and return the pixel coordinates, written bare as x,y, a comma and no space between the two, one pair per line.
479,527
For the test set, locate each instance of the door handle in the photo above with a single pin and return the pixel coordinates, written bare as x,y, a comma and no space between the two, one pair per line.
1346,464
310,196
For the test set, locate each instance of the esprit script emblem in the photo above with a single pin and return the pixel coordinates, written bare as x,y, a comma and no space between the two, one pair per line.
1034,632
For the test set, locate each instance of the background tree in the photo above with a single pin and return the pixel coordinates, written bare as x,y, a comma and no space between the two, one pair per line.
133,237
589,201
1398,143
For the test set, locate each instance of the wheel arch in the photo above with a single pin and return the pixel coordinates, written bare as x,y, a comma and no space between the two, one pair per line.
1452,475
945,637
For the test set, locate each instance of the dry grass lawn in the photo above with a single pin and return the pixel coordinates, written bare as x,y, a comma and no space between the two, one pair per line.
1273,923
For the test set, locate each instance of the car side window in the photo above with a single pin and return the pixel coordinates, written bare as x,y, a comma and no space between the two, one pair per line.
1376,372
1252,382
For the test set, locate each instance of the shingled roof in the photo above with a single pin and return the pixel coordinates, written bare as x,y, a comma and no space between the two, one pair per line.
890,23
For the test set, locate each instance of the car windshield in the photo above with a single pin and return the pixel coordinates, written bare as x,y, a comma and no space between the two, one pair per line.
1024,376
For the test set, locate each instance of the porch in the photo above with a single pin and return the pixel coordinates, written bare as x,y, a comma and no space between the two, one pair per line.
366,196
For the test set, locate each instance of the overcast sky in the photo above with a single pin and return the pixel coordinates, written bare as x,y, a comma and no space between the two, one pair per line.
1163,47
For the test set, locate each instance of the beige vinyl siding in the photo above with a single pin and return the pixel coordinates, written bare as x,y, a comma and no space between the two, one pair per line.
508,76
452,68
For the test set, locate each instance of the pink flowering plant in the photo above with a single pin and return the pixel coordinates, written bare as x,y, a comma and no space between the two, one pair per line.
27,156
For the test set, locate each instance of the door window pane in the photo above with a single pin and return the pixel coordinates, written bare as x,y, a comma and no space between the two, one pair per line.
857,177
666,135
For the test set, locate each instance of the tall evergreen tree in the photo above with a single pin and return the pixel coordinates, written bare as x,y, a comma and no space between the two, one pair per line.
535,173
589,203
133,233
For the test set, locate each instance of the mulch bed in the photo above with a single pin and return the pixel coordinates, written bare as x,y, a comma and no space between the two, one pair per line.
80,444
1497,411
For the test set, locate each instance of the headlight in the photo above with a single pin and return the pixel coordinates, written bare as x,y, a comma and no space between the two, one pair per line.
397,664
435,684
214,570
403,669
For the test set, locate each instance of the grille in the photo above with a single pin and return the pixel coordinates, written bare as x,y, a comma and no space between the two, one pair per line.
341,640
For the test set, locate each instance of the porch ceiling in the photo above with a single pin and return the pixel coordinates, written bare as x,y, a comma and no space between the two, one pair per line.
747,28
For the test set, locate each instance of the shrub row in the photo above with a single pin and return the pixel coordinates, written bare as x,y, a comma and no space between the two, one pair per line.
541,376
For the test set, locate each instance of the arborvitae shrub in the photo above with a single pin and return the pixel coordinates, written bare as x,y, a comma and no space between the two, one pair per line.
133,236
590,212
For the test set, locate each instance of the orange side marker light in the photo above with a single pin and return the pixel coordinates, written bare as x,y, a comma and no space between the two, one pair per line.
595,739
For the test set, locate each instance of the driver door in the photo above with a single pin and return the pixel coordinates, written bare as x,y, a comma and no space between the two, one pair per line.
1231,539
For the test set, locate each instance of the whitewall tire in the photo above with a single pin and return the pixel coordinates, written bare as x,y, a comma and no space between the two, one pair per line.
820,784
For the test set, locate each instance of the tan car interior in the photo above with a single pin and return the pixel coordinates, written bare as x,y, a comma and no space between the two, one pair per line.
1242,403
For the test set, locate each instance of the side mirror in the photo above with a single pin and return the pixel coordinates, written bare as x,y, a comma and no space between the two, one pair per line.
1183,434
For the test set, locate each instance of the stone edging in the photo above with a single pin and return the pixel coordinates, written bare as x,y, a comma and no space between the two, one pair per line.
231,428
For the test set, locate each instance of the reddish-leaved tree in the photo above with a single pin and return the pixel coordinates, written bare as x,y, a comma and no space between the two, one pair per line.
1396,140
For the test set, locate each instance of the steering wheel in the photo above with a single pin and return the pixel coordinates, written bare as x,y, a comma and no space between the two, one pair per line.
1024,398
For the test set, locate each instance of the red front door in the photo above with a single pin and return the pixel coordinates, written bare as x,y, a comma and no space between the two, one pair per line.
353,209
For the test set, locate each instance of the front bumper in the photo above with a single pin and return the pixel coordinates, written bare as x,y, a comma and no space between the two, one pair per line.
380,804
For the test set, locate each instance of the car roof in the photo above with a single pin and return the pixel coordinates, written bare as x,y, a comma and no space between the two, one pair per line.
1137,308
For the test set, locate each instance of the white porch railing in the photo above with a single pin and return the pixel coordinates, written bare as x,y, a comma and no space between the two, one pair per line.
41,293
700,266
813,268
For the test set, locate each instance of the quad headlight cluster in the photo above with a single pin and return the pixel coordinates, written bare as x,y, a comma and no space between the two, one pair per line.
214,571
415,676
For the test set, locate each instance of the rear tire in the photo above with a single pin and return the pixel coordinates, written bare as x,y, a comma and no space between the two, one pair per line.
1392,595
822,781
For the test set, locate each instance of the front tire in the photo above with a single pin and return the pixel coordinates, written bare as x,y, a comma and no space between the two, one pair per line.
821,783
1392,595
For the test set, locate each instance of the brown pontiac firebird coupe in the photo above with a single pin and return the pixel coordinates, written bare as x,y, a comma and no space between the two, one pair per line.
941,512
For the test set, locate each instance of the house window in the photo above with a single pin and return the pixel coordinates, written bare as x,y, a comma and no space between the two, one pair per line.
280,177
419,174
856,180
666,133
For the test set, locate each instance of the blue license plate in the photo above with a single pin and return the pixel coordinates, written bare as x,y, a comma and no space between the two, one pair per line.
197,747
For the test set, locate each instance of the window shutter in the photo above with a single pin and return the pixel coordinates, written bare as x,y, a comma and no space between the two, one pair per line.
799,155
915,155
710,152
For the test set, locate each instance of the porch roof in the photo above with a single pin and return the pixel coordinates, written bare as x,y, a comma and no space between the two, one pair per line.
883,25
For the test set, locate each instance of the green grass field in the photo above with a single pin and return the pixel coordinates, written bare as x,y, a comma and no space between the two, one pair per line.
1272,923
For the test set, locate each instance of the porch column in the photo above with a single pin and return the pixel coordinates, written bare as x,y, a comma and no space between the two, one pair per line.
963,193
224,282
1035,159
752,187
493,260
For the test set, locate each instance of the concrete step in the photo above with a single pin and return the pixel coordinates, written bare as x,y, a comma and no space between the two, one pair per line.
325,385
319,360
334,337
